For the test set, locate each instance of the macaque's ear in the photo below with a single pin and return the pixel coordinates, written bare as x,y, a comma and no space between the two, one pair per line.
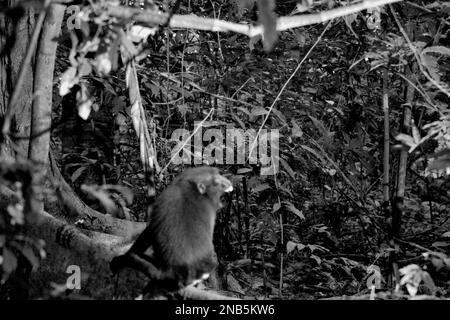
201,188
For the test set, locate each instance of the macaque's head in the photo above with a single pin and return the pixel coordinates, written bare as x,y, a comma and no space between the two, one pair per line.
209,182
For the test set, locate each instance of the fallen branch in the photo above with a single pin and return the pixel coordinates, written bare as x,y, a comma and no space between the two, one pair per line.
194,293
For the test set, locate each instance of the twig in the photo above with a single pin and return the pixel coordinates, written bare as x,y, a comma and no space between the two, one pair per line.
284,87
412,244
186,141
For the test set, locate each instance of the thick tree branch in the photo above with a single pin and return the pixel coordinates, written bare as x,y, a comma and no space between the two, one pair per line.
22,73
41,111
199,23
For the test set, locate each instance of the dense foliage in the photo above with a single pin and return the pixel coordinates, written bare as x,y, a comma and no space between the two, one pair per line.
321,226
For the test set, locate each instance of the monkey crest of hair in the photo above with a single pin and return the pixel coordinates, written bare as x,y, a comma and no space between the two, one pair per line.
180,231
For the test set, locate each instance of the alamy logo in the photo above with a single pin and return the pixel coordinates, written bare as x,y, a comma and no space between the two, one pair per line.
210,144
374,279
74,18
74,280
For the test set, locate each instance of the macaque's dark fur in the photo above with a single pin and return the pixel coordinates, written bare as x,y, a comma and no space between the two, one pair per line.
181,229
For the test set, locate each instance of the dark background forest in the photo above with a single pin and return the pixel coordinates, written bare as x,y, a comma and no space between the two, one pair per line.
358,99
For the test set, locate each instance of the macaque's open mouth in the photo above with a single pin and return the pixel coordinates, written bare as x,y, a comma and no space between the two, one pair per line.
224,197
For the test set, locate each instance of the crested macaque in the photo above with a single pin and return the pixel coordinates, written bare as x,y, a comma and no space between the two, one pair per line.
180,232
